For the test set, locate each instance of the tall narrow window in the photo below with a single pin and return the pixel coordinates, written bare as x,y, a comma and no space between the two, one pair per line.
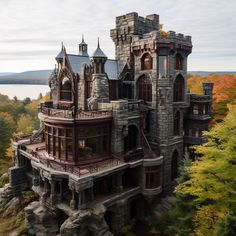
174,165
179,89
131,140
152,177
66,90
146,62
177,123
144,85
127,87
178,62
162,66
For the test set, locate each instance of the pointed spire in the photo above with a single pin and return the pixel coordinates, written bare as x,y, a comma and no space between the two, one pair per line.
98,43
98,52
82,38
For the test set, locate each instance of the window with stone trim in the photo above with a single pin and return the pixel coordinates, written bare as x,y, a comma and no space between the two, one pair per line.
152,176
144,86
178,62
177,123
179,89
65,89
146,62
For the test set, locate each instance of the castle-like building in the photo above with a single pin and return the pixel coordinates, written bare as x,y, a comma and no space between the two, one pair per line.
113,135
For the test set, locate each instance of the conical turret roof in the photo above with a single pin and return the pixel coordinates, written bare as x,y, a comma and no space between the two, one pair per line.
98,52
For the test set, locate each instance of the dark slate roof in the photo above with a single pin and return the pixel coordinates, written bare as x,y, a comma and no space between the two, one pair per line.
77,61
99,53
112,67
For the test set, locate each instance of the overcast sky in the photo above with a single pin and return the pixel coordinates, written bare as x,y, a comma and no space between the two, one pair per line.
32,31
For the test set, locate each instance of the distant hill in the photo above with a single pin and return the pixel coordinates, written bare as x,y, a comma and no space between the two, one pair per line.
27,77
41,76
206,73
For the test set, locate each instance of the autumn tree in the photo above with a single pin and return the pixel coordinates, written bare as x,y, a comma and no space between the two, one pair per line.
224,92
210,191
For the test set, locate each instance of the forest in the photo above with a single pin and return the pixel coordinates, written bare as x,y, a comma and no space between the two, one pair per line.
204,201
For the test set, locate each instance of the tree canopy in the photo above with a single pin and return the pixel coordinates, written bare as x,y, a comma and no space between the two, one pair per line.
205,201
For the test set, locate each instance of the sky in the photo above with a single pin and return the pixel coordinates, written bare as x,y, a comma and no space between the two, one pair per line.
32,31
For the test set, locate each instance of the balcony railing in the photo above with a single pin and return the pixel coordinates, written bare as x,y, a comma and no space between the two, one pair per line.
70,114
199,98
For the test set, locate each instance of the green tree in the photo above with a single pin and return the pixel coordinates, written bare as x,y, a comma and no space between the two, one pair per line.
7,127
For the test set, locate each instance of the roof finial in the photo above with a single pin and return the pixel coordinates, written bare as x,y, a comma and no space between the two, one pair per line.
98,43
82,38
62,45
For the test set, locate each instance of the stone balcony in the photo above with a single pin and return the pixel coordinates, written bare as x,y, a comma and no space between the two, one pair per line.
199,117
190,140
200,98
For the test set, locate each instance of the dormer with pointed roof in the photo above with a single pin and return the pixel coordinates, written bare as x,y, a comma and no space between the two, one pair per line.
83,48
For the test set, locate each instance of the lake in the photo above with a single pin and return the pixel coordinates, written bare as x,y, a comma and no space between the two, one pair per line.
22,91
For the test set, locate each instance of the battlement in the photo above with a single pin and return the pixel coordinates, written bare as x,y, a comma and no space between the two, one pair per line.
178,36
134,24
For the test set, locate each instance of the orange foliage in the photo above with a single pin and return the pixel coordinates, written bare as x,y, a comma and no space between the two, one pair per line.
224,86
224,91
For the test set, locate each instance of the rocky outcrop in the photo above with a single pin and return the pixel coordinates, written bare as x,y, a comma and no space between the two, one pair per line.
40,221
89,222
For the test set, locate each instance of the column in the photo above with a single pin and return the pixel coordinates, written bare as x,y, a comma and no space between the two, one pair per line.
73,201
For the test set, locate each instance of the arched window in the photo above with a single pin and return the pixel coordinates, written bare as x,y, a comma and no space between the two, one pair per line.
144,86
174,165
179,89
146,62
177,123
66,90
178,63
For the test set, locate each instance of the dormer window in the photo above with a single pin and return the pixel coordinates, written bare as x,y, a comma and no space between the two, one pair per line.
146,62
66,90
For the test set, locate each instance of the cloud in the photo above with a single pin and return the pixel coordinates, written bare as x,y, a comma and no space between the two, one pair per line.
31,29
